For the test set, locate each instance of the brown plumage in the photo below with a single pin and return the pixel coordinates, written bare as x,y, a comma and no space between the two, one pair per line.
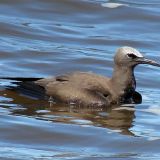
89,89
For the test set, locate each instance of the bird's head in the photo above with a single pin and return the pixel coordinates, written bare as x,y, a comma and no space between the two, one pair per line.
130,57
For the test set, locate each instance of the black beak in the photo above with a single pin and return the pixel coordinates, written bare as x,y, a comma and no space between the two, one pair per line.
142,60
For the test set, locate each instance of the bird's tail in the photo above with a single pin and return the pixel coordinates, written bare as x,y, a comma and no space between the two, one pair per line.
22,79
25,87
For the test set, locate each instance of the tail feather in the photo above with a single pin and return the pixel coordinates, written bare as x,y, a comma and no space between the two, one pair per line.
21,79
26,87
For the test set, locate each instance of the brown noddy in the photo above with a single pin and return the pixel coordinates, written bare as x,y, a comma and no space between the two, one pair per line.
96,90
84,88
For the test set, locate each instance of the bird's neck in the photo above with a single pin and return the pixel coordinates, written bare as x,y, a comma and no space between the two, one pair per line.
123,78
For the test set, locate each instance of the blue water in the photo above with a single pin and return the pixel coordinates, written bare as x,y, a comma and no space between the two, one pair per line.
45,38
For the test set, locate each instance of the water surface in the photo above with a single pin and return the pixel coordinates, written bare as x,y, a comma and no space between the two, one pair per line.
43,38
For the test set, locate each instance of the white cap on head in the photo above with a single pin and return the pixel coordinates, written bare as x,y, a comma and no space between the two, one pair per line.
130,50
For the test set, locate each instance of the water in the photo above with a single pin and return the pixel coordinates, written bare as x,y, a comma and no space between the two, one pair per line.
43,38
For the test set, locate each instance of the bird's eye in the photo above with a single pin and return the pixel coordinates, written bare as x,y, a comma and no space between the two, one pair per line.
131,55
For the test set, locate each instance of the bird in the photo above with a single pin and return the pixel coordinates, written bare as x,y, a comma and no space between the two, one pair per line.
89,89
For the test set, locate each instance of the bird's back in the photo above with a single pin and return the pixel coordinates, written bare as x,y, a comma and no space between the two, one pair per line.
81,87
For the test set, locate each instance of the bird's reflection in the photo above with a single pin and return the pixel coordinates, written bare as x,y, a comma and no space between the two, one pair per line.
116,118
